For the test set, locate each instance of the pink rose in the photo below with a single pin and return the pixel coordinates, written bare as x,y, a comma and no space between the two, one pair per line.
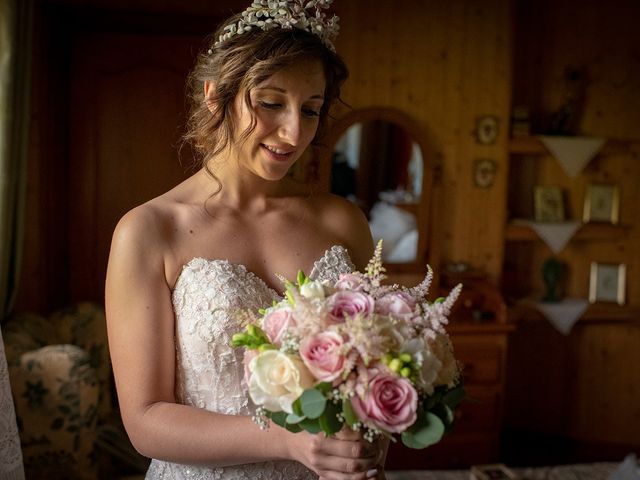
389,403
322,354
276,322
349,304
399,304
349,281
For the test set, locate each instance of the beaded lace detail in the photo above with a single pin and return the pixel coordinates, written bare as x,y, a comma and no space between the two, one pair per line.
209,375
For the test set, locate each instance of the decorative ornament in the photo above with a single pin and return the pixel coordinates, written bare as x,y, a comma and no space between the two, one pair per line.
306,15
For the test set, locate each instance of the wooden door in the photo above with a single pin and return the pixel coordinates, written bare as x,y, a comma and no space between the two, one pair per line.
127,114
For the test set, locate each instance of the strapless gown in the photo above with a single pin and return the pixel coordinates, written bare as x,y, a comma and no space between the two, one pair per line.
209,372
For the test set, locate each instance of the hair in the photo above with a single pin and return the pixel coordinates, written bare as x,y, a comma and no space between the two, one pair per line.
239,64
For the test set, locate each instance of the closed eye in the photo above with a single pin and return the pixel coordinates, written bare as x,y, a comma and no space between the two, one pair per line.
268,105
309,112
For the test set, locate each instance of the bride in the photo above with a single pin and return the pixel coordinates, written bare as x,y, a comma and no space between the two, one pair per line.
183,263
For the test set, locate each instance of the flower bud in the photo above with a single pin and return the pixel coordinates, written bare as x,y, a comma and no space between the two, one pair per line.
395,365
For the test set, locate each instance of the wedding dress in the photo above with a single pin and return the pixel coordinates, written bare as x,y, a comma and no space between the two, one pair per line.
209,375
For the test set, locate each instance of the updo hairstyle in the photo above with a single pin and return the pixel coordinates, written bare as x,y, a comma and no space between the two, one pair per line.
239,64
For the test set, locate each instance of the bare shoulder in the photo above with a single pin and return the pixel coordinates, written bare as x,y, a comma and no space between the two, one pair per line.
348,222
143,228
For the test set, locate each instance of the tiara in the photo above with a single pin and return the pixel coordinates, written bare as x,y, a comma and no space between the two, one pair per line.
268,14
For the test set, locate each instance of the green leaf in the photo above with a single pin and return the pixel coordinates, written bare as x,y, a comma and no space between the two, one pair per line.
293,428
329,419
324,387
279,418
301,278
297,408
444,413
312,402
454,396
293,418
427,430
350,416
311,425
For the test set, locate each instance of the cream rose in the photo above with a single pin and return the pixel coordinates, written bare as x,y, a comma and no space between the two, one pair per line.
312,289
277,379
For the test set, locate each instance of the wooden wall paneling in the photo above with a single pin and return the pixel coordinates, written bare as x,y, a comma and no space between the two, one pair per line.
444,64
604,401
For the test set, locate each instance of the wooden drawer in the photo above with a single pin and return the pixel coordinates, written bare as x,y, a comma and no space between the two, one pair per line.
481,358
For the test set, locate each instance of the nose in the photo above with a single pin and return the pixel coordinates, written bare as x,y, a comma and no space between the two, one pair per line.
290,127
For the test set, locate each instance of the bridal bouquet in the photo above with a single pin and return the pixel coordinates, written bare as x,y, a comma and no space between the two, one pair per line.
374,357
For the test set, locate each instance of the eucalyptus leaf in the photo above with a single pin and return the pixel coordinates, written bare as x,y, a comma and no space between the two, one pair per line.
293,418
427,430
313,403
444,413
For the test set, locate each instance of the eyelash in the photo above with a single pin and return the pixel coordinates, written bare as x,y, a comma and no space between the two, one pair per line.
274,106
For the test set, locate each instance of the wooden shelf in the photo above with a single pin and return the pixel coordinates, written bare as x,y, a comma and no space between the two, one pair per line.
531,145
516,232
524,310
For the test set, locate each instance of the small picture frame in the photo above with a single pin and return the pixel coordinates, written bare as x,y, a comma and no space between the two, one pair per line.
548,204
494,471
601,203
607,282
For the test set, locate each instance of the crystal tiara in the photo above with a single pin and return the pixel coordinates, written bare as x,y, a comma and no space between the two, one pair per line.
303,14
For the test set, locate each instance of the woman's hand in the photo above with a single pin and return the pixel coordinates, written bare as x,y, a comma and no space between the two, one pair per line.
346,456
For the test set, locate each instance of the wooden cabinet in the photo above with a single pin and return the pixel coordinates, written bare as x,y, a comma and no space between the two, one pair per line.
479,333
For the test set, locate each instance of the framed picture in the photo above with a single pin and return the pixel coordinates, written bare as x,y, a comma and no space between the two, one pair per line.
601,203
607,282
484,172
548,204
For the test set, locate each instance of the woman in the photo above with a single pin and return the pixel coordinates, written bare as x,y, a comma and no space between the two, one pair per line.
183,263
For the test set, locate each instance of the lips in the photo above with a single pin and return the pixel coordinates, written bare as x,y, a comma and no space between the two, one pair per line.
277,153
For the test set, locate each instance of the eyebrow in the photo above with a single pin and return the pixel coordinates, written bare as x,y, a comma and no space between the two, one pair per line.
282,90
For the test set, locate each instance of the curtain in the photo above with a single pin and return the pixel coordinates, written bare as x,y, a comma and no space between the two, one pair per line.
15,57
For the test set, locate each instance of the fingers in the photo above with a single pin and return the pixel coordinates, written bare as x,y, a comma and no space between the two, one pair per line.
343,459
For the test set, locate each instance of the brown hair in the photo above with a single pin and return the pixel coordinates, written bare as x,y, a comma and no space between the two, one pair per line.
240,63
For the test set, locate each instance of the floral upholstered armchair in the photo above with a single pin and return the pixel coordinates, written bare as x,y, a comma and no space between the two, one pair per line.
60,377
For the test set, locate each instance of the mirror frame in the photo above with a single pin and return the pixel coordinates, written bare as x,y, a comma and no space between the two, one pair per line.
428,251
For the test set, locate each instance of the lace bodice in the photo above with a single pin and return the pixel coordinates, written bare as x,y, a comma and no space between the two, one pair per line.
209,373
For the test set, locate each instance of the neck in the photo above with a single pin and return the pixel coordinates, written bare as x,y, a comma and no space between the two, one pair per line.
241,188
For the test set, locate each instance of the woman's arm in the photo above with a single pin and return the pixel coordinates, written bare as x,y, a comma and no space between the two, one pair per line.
140,323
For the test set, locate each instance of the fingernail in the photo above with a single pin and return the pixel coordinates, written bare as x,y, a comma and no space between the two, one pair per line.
372,473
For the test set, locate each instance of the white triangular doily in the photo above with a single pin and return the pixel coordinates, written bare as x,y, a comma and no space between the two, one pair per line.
555,235
563,314
573,153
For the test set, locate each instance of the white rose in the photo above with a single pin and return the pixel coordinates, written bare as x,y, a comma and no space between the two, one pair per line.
277,379
312,289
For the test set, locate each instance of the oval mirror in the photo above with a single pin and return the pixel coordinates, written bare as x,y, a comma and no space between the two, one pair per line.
379,162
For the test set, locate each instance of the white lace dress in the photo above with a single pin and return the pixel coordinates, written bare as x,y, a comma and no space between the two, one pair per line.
209,372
